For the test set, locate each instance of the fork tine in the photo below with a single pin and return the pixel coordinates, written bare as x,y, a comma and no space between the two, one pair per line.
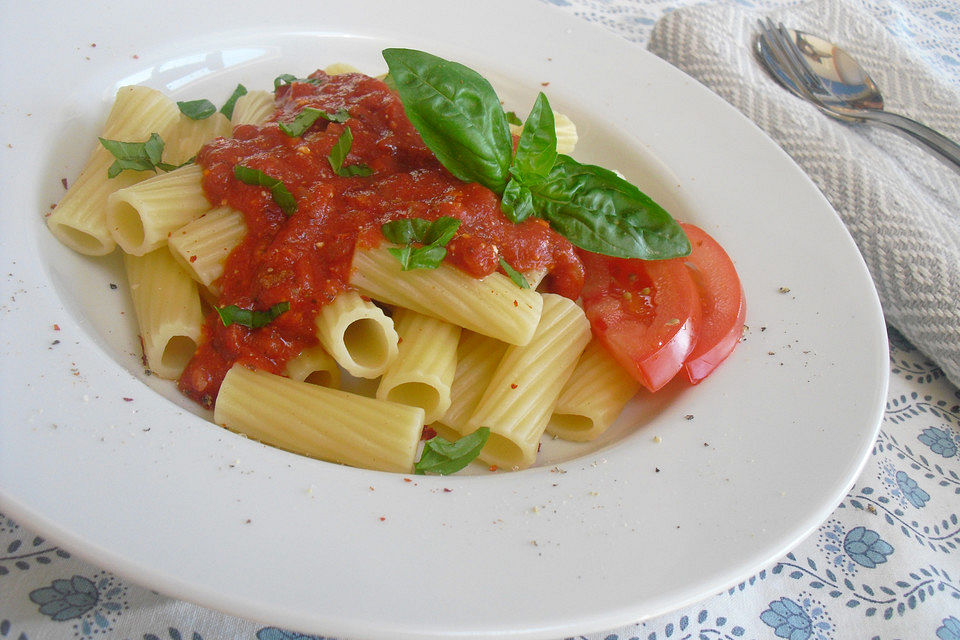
775,46
812,82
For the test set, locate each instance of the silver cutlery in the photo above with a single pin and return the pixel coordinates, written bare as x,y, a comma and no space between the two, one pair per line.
824,74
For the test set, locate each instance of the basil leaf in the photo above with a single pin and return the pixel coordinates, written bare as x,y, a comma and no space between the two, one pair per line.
170,167
227,108
233,314
457,113
517,202
339,153
426,257
513,119
599,211
537,147
197,109
406,230
135,156
279,192
515,275
305,119
286,78
434,236
443,457
441,231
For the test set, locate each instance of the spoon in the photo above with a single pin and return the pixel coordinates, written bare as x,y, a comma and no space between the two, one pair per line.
840,87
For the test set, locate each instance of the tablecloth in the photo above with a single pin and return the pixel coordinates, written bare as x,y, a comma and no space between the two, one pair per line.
885,564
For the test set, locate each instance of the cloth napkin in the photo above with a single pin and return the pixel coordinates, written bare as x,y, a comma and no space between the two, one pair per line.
900,203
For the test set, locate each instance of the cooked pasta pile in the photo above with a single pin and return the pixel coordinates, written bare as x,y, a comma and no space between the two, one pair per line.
451,350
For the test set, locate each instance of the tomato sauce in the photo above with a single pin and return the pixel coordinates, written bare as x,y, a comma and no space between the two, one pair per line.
304,258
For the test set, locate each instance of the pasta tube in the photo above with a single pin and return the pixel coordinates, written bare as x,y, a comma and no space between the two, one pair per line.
328,424
254,107
189,135
358,334
593,397
80,219
167,306
477,359
493,306
314,365
141,217
527,382
202,246
422,373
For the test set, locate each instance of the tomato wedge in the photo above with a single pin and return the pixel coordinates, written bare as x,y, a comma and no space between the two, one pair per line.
646,313
723,306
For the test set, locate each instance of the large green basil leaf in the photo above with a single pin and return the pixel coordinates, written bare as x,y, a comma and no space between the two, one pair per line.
599,211
457,113
537,147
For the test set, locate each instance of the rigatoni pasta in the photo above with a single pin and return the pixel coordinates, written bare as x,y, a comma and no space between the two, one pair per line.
79,219
520,398
422,373
358,335
203,245
142,216
167,307
493,306
595,394
318,422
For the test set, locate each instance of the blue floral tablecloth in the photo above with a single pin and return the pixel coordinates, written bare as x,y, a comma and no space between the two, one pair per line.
885,565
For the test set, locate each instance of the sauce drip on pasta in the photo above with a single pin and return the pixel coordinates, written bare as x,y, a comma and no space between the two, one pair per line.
305,258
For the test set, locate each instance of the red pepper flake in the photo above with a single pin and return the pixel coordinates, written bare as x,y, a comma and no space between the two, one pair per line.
383,519
516,304
447,490
428,432
193,258
128,399
513,385
407,480
63,181
56,327
493,467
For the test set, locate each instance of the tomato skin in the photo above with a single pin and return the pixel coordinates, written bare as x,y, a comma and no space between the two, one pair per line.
723,305
646,313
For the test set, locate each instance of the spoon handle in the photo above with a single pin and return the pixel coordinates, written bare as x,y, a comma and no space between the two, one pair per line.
920,133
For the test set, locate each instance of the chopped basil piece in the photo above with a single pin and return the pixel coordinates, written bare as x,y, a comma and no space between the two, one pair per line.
434,237
250,318
513,119
305,119
515,275
443,457
257,178
227,108
197,109
135,156
406,230
286,78
427,257
339,153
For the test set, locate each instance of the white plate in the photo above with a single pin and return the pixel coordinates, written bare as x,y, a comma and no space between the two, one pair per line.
662,512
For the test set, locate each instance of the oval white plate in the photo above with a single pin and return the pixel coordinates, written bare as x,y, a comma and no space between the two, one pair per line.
695,489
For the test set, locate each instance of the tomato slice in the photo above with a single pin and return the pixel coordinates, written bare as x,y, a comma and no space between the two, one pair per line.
723,306
646,313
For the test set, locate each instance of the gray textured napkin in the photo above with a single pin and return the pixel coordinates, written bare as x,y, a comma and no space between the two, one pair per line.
900,203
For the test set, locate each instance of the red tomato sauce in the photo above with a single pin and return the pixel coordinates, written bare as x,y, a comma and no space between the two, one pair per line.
305,258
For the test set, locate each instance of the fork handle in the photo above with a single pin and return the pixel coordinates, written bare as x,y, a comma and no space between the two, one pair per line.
946,148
